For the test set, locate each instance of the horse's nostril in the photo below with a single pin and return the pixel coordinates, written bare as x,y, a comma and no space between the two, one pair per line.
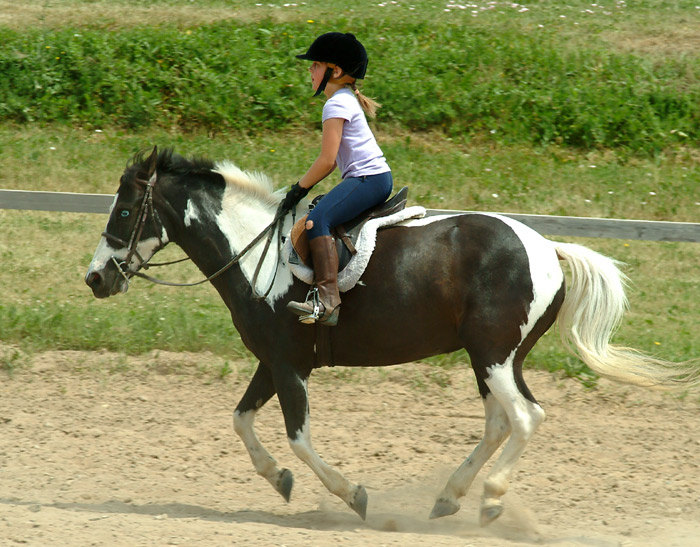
93,279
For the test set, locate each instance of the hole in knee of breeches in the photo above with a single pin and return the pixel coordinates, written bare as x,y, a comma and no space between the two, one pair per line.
309,224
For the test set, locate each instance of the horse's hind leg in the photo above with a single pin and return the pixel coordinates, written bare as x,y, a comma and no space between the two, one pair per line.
510,410
496,430
260,390
525,415
293,397
504,380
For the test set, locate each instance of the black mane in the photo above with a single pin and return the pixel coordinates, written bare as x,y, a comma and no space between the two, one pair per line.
168,163
200,172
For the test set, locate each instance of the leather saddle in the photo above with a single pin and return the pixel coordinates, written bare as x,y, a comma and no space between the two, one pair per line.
345,234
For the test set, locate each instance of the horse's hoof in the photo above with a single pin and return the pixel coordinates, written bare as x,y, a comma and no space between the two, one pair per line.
444,507
489,513
284,484
359,502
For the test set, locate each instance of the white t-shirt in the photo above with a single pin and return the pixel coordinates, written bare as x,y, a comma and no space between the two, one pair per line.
359,154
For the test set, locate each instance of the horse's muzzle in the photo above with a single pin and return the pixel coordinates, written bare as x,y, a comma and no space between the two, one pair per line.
106,282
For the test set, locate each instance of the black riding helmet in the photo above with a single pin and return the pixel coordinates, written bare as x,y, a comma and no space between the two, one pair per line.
341,49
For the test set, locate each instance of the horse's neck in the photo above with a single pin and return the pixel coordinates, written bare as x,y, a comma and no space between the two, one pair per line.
240,220
216,232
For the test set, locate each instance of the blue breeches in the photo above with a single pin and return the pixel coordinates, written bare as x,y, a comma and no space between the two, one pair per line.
347,200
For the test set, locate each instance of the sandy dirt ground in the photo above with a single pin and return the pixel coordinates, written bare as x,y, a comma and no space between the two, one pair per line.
104,449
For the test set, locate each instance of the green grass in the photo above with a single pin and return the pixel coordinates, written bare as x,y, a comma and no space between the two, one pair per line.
505,76
442,172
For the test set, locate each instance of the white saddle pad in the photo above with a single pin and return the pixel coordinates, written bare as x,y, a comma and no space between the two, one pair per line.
366,241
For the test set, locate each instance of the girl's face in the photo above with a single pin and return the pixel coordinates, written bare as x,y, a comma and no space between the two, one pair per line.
317,71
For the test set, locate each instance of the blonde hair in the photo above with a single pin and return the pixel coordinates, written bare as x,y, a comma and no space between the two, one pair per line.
368,105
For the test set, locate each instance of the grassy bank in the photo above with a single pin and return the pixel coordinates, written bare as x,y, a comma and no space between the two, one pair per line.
442,172
506,75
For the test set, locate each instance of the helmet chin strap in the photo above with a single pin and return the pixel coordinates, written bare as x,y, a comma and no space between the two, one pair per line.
324,82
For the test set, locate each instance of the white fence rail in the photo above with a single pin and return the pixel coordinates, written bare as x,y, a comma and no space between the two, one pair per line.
548,225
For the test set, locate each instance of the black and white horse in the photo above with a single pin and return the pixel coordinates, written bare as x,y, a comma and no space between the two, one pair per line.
482,282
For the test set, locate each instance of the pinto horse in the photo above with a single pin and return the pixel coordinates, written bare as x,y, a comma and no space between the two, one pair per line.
453,280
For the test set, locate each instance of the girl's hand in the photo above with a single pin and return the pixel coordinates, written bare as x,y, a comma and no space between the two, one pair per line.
294,196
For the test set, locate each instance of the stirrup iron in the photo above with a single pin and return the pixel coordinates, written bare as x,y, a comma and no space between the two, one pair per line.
311,318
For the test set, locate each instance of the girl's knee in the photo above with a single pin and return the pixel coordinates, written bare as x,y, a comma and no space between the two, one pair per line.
309,224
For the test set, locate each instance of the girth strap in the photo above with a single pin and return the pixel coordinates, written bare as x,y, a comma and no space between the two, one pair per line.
323,350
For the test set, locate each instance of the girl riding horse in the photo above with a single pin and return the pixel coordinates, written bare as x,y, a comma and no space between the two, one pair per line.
338,61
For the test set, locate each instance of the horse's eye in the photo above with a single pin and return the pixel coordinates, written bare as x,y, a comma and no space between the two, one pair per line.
125,213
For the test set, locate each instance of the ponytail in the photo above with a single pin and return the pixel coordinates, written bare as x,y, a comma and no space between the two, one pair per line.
368,105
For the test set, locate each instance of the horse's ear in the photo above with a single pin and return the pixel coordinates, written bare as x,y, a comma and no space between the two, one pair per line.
151,162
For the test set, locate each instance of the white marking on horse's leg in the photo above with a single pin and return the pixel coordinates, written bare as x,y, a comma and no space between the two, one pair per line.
524,417
354,495
496,430
264,463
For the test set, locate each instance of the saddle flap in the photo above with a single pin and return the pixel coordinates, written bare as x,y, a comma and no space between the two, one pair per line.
368,237
300,240
300,245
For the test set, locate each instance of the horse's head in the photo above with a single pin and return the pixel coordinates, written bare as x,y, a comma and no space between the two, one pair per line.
134,232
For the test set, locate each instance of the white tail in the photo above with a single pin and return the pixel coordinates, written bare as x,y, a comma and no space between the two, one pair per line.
594,305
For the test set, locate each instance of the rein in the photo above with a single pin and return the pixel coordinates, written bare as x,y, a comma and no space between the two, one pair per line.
275,224
131,245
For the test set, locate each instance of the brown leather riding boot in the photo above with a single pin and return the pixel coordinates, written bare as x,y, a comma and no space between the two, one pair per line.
325,261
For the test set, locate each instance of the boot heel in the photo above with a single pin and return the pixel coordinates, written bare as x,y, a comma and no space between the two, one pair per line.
332,319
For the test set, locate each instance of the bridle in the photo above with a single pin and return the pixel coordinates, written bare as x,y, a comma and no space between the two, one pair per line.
132,245
147,210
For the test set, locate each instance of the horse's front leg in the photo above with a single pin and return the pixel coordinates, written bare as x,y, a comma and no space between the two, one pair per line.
260,390
293,396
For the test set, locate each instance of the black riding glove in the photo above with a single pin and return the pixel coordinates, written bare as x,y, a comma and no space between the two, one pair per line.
293,197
